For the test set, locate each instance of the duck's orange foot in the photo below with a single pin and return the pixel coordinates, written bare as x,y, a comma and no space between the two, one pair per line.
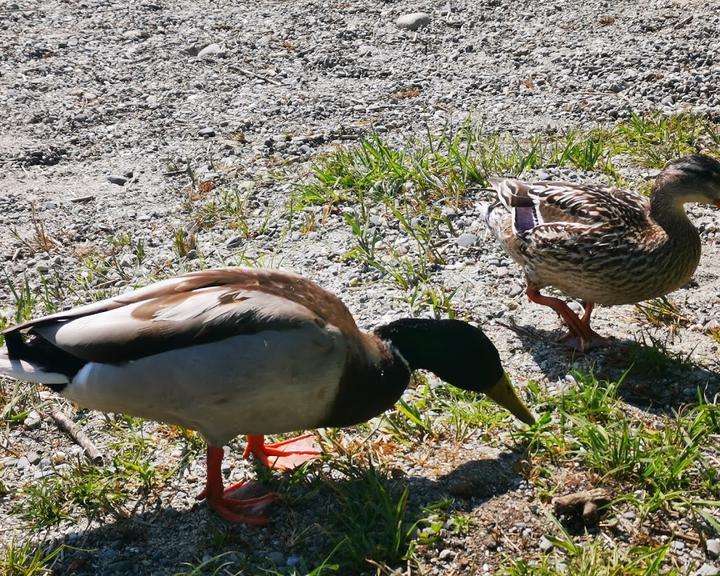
241,503
285,455
585,342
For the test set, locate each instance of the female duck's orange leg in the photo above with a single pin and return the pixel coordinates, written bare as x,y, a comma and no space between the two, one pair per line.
590,338
283,455
568,316
227,507
581,336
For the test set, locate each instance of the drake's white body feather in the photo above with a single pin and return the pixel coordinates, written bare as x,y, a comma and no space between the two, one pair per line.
274,381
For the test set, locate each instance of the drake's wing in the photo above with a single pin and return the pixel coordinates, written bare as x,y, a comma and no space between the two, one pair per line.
195,308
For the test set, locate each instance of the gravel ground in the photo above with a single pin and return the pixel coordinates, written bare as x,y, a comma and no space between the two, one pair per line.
109,106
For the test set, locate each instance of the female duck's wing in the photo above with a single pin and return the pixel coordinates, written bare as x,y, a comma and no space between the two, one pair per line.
532,205
196,308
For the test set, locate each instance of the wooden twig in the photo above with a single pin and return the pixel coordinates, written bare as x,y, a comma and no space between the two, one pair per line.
528,333
255,75
673,534
68,426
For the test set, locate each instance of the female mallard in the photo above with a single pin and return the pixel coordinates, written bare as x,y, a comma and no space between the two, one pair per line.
238,351
604,245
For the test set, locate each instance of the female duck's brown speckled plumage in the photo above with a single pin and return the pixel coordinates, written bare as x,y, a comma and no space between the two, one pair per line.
604,245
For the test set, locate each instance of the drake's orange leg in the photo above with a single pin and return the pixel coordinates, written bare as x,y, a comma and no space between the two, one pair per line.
227,507
284,455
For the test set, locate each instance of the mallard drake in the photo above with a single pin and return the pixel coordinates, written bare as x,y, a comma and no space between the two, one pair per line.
242,351
603,245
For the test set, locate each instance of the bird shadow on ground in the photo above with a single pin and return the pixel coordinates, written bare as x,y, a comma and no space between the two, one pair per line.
652,377
315,518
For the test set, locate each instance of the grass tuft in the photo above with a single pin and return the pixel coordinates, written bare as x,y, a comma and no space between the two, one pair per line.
27,559
657,467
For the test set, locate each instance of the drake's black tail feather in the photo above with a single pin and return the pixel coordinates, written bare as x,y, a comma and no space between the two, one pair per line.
37,360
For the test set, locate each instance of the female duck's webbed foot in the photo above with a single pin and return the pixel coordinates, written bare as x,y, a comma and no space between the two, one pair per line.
285,455
242,502
581,337
590,338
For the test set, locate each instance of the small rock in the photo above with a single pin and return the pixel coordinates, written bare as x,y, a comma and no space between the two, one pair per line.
293,560
446,554
668,101
576,307
277,558
708,570
127,260
713,547
33,457
545,545
32,420
58,457
206,132
413,21
466,240
211,50
235,242
117,179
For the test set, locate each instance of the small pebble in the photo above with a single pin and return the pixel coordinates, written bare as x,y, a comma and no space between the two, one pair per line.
32,420
446,554
117,179
277,558
293,560
33,457
211,50
206,132
708,570
466,240
545,545
713,547
413,21
235,242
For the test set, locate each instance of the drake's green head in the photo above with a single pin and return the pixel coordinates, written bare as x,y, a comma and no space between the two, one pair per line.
458,353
